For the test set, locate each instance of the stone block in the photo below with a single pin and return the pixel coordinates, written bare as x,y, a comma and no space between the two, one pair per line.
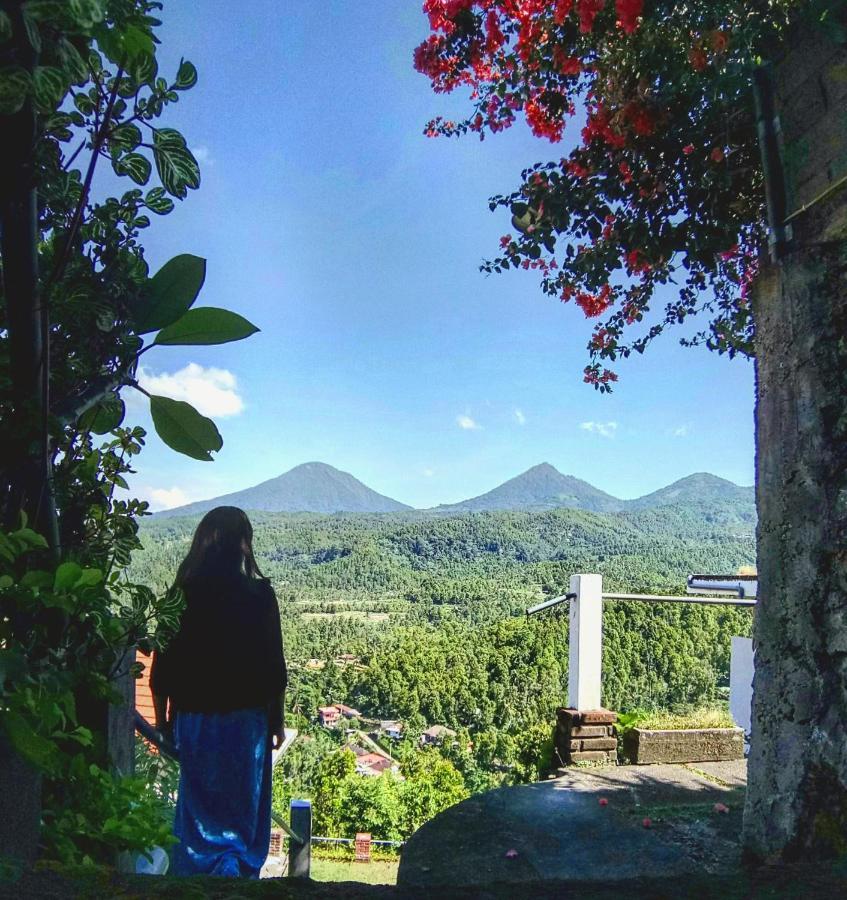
592,756
684,746
590,731
599,743
598,717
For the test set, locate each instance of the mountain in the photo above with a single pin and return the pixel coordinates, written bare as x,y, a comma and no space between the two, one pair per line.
695,489
310,487
539,488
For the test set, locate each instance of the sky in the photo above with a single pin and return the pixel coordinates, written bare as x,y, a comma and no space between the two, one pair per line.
353,242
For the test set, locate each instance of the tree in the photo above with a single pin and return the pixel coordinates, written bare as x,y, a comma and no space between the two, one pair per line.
79,89
667,187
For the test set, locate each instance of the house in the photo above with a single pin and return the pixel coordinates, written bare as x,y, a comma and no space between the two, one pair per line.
371,764
347,711
328,716
435,735
392,729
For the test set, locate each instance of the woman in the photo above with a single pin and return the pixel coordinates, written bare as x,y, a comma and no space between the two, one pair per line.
220,685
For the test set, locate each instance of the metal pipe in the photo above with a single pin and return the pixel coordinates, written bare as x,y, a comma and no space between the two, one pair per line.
661,598
770,132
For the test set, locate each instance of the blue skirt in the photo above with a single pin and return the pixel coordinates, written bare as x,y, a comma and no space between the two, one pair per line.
223,809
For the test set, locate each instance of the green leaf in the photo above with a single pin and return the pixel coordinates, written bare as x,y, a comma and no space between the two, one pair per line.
36,578
171,292
157,202
137,42
67,576
75,66
5,27
207,325
31,28
89,578
50,87
126,136
183,429
135,165
86,13
176,165
104,417
15,84
38,750
186,77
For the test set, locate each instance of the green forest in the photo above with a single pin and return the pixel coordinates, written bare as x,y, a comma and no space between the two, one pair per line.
432,609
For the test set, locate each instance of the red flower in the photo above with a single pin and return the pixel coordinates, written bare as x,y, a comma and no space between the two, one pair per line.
717,154
720,41
647,822
505,241
494,36
688,149
563,10
603,801
628,12
567,65
720,808
698,59
595,304
587,11
636,262
625,170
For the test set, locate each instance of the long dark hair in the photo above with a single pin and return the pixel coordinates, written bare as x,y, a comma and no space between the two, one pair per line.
222,545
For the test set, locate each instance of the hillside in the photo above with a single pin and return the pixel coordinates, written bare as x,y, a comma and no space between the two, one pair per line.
541,487
311,487
698,488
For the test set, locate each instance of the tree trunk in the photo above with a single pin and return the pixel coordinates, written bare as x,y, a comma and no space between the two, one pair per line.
26,454
797,789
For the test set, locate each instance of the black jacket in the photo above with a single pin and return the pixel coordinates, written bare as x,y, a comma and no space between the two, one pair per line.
227,653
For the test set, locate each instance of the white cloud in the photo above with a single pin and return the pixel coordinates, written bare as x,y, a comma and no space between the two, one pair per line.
166,498
428,473
682,431
203,155
520,417
467,423
604,429
213,392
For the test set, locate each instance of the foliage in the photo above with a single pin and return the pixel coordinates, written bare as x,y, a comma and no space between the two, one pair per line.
80,89
664,187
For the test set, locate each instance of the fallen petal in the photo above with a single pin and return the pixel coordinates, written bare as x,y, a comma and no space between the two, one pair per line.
511,854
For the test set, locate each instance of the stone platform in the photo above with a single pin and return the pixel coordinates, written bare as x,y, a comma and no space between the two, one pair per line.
559,830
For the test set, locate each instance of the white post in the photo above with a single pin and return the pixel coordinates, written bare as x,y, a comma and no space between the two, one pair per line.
741,668
585,642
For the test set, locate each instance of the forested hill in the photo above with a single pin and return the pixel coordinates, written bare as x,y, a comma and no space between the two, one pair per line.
700,488
449,558
541,487
310,487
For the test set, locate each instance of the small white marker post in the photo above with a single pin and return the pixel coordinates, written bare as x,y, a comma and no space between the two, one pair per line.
585,642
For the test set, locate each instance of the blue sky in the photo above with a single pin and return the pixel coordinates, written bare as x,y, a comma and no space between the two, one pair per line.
354,243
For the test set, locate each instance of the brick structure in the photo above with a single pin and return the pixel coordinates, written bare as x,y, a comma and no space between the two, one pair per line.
363,847
586,736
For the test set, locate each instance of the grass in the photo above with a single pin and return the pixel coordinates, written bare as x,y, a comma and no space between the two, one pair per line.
706,717
374,872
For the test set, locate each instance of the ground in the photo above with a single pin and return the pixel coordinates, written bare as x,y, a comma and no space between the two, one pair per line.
567,845
589,824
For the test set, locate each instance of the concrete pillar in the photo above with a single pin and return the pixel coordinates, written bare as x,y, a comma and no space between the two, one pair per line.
585,642
300,851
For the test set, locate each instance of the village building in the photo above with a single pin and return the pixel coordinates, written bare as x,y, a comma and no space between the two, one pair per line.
328,716
436,735
392,729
